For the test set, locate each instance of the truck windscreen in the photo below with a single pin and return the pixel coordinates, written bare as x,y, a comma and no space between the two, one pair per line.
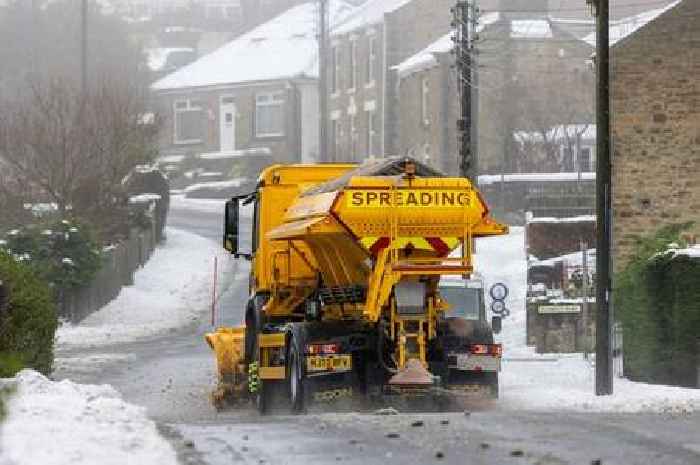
464,302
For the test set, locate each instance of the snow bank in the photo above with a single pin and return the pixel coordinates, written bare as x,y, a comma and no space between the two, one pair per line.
530,381
168,293
569,382
56,423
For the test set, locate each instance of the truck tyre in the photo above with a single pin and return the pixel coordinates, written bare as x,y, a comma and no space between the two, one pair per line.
254,322
295,368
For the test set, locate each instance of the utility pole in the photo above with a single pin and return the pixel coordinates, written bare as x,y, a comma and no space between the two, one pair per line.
462,23
323,81
474,92
83,47
603,365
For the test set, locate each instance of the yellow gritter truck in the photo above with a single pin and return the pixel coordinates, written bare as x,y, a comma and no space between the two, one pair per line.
361,286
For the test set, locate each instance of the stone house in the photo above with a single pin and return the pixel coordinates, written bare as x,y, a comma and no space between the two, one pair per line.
259,91
655,125
363,98
532,78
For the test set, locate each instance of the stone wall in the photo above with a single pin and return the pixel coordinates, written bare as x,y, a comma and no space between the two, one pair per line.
656,128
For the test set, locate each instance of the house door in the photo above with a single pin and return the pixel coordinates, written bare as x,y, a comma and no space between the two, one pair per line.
227,124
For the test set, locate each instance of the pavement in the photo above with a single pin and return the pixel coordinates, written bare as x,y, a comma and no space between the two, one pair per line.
172,375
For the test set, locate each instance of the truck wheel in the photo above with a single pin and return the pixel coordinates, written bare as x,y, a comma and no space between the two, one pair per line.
254,322
493,385
295,367
262,398
296,379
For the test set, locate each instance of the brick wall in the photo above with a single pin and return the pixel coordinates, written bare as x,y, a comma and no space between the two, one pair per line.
656,127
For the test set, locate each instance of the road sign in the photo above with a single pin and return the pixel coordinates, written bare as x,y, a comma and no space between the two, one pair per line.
498,306
499,291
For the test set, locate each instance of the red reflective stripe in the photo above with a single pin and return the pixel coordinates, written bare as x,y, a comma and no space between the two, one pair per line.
380,244
439,245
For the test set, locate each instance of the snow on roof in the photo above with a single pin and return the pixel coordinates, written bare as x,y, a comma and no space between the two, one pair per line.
283,47
158,57
569,219
486,179
372,12
426,59
625,27
559,132
530,29
572,259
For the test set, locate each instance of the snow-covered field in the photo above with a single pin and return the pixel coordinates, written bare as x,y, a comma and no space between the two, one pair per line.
168,292
557,381
57,423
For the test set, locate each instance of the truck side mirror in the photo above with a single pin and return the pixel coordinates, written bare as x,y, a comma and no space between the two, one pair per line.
231,226
496,324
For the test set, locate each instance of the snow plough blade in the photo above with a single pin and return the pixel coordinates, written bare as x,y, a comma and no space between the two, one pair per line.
228,345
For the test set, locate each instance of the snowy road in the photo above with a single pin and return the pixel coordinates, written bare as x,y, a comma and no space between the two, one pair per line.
546,414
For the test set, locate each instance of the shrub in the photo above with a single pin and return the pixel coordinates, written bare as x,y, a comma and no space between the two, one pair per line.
62,253
28,322
659,307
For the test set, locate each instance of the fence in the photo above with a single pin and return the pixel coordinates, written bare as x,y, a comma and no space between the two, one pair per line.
510,196
120,262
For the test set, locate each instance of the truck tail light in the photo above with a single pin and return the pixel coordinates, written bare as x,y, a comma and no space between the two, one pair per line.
479,349
323,349
495,350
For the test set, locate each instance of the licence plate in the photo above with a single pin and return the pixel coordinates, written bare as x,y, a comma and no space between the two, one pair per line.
328,363
468,362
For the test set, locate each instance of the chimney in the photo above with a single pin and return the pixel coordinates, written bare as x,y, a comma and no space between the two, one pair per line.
524,9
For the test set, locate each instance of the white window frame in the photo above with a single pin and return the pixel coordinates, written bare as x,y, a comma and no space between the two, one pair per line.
353,65
190,106
335,70
275,99
353,136
424,101
371,57
371,132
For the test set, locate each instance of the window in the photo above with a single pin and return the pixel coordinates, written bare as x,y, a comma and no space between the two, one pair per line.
189,121
371,57
371,131
269,114
336,134
424,110
335,70
353,138
353,62
585,159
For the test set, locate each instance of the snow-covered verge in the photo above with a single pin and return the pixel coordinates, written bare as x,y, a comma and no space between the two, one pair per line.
568,384
180,202
531,381
56,423
168,292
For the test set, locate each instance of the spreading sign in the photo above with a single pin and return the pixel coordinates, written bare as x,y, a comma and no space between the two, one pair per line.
408,198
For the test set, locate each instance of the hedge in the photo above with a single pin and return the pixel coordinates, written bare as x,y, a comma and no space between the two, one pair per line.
28,322
657,299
